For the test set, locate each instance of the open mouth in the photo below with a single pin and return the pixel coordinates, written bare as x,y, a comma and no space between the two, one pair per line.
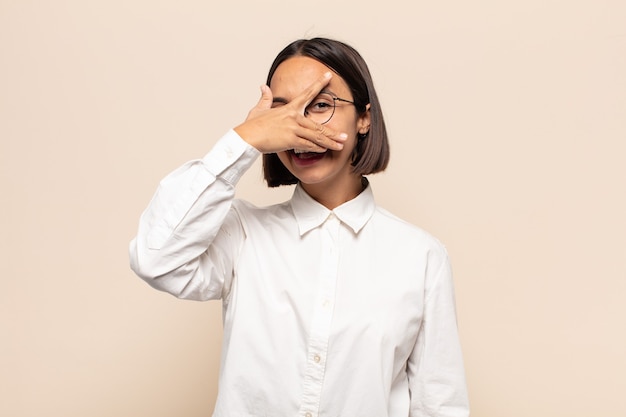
306,157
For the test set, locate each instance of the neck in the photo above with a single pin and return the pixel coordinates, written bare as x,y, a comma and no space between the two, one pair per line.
333,195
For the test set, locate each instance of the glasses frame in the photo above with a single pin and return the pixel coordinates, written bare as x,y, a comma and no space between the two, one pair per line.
335,100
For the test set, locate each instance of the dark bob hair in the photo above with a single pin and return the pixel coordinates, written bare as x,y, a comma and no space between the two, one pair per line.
372,150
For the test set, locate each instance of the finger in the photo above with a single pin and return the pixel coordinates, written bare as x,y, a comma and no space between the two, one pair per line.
265,102
321,135
304,98
323,131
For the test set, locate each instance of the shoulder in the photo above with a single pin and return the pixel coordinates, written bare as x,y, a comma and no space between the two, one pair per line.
251,213
408,234
245,206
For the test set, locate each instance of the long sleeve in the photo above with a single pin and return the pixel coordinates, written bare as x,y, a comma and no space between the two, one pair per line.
435,368
189,234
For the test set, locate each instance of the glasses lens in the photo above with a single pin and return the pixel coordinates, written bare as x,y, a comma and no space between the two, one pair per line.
321,109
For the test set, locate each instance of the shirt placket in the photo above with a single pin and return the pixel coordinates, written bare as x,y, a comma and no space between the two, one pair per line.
322,319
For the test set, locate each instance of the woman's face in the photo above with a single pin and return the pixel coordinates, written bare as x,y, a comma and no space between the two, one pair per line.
331,168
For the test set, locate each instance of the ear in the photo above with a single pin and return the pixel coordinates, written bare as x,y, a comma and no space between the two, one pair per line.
364,121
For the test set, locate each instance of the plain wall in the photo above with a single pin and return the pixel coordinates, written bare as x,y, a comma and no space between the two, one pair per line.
508,129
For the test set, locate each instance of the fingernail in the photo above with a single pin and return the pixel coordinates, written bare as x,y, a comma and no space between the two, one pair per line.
327,74
343,136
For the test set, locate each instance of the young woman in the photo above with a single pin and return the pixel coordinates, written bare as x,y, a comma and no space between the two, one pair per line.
332,306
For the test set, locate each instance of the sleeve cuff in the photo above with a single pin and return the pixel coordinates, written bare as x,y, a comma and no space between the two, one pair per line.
230,157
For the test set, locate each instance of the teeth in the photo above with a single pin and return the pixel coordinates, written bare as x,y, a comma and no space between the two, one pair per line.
299,151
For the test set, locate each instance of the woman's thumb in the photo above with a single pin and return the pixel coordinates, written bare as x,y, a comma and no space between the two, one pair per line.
265,102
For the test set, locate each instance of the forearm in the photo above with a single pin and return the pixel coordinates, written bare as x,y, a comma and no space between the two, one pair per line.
173,250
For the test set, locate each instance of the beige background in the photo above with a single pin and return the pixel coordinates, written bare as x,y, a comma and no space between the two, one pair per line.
508,127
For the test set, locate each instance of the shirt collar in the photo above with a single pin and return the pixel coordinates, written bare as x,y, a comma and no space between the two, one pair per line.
311,214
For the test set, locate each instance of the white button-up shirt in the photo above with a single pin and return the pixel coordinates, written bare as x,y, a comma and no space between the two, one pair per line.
340,313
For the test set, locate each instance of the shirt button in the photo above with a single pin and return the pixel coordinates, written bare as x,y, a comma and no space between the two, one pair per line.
317,358
308,415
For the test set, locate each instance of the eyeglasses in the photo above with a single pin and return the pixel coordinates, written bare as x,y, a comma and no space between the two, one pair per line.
322,108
